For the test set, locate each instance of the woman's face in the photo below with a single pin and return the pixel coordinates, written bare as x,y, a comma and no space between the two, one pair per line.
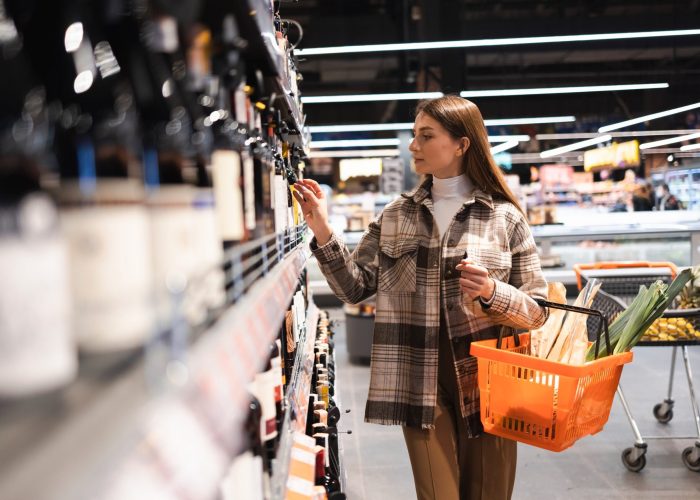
434,150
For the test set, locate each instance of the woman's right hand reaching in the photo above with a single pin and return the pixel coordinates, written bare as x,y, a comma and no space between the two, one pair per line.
315,209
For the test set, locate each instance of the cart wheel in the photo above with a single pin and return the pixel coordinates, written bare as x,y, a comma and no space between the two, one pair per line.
663,412
693,465
635,466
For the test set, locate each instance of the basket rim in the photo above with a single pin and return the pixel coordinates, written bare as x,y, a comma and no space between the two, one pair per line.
486,349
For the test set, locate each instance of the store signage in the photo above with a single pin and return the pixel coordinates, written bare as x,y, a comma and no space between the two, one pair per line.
556,174
619,155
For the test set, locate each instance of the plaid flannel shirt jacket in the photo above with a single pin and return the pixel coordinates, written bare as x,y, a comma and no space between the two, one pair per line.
402,259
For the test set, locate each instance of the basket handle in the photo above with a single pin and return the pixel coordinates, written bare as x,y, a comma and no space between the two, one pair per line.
583,310
516,337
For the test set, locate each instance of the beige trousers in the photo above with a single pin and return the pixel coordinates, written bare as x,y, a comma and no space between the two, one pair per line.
447,465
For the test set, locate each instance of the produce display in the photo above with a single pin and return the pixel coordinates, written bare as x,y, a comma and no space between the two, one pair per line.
631,324
672,329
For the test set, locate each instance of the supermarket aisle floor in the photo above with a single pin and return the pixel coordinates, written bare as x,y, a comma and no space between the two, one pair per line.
378,468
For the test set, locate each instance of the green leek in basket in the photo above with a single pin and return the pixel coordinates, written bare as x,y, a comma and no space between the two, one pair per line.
649,304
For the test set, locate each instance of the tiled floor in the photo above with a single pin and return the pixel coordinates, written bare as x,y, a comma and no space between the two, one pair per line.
377,464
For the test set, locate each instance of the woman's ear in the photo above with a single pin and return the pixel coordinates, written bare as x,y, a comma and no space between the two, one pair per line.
464,145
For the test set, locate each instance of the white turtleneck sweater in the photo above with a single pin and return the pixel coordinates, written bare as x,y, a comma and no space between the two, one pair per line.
448,196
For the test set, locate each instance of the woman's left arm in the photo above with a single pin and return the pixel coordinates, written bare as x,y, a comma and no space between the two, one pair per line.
513,303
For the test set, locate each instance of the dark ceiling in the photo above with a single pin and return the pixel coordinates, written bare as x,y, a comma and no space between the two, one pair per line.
326,23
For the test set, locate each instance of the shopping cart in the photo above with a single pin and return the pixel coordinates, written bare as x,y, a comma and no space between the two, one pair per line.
620,284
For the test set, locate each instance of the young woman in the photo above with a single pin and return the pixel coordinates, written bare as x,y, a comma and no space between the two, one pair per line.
450,262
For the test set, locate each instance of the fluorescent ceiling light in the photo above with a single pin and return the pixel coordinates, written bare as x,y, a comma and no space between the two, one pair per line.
674,151
504,147
367,127
672,140
480,93
691,147
506,138
561,90
529,121
361,143
645,118
355,143
575,146
378,127
355,153
588,135
492,42
404,96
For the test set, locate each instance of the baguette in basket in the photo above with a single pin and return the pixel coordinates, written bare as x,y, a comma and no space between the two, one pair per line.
564,337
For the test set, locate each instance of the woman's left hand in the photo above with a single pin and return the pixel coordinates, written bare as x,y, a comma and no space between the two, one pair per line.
475,281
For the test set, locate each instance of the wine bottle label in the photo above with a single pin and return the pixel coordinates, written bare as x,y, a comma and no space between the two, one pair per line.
273,188
264,389
248,190
226,172
300,308
111,275
173,245
36,346
280,204
276,363
208,249
240,105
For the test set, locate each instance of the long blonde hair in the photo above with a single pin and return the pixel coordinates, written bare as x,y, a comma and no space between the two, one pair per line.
462,118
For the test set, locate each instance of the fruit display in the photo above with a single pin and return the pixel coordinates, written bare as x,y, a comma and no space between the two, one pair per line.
666,329
689,298
674,329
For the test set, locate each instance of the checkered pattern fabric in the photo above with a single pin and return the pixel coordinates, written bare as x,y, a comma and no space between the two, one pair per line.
402,259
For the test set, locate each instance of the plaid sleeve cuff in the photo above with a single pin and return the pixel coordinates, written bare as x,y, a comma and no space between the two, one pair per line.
500,300
486,303
332,250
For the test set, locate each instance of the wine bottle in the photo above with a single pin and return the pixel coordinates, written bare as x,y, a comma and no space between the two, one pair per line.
37,351
247,478
265,432
226,164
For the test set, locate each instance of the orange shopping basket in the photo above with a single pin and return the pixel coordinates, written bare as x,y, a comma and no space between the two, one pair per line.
540,402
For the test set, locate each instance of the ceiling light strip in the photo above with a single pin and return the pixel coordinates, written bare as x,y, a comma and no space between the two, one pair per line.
671,140
653,116
691,147
674,151
575,146
492,42
379,127
367,127
354,143
504,147
506,138
355,153
561,90
588,135
405,96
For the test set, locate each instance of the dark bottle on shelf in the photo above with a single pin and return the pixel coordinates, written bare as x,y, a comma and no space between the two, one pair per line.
259,468
265,387
276,363
264,179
